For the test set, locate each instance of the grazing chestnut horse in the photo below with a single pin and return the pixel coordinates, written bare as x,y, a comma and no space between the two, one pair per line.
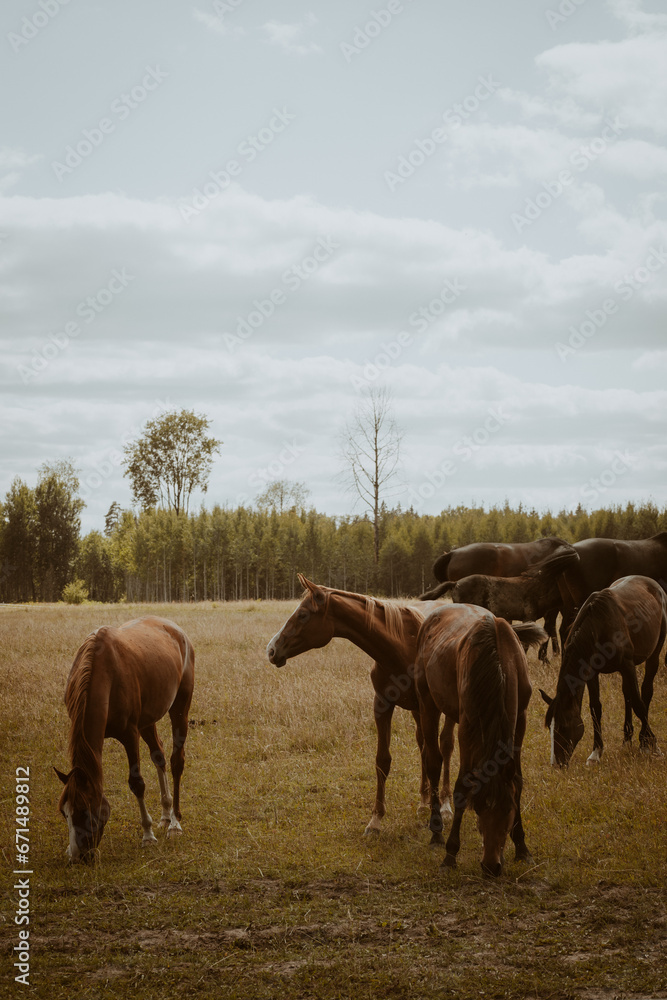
388,633
471,666
123,680
615,630
508,559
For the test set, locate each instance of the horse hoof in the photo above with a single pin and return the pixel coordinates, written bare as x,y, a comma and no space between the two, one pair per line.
525,856
446,810
149,841
371,831
437,838
449,861
594,758
174,831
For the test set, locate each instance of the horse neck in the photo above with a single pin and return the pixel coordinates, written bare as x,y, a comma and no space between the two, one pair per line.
351,621
87,702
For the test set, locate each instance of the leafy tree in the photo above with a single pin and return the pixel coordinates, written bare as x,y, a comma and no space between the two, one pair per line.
58,525
171,459
370,450
112,518
18,544
282,494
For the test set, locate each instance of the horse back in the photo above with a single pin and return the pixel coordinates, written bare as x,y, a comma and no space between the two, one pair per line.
440,643
142,665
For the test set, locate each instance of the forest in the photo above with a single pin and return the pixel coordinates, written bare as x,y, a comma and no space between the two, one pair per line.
254,551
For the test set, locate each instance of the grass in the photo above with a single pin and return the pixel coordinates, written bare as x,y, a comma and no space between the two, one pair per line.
272,890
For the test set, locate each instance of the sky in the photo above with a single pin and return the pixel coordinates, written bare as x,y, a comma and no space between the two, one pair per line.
262,211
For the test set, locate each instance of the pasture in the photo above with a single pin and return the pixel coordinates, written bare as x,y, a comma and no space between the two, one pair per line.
272,890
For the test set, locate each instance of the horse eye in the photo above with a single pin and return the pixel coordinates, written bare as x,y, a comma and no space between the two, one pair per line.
302,615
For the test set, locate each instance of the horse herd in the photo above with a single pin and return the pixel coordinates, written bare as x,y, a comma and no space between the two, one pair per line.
465,661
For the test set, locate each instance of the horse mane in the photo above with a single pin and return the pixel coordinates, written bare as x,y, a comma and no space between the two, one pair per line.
395,616
490,723
599,612
76,699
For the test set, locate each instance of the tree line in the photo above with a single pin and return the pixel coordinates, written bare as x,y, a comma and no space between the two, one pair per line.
255,552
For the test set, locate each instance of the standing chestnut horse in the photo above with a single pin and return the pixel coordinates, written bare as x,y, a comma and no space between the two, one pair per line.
123,680
616,629
472,667
388,633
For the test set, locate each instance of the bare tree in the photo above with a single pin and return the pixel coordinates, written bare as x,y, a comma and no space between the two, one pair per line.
370,449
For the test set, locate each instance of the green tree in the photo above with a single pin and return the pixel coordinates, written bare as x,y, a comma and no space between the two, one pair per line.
171,459
58,526
18,544
281,495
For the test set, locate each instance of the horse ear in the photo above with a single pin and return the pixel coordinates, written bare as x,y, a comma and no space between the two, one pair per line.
306,584
63,777
545,697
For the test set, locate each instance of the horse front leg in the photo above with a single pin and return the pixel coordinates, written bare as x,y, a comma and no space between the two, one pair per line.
138,785
383,710
178,713
550,620
650,670
424,797
595,706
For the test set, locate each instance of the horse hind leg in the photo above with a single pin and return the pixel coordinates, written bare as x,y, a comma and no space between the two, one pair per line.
383,711
446,750
138,785
154,743
178,713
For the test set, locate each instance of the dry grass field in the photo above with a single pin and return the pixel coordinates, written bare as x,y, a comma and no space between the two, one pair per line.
272,891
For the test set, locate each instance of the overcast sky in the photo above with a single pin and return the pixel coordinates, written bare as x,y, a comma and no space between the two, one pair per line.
258,211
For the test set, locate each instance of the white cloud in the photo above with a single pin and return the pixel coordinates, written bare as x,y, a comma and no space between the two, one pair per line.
288,37
631,14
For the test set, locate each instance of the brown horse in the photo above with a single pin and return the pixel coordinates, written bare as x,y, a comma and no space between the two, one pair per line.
123,680
387,633
616,629
471,666
517,598
508,559
600,562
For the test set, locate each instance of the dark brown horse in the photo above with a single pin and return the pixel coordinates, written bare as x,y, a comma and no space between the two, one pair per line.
123,680
388,634
508,559
517,598
601,561
616,629
471,666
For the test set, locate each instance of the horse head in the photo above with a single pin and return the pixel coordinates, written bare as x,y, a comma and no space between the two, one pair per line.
86,809
564,720
308,628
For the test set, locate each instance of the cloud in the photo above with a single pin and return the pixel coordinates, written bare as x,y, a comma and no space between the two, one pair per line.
15,162
288,37
631,14
215,23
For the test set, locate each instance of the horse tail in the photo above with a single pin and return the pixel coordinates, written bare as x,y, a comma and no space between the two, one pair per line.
548,570
530,634
76,701
441,566
442,588
492,731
